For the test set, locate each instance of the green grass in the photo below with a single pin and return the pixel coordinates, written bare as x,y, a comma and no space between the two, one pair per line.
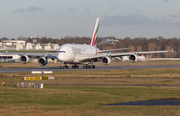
86,100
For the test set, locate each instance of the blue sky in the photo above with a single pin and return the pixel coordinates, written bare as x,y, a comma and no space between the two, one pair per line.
119,18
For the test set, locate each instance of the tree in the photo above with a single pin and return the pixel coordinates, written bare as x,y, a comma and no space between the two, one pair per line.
139,48
151,47
5,38
105,46
117,45
169,54
22,38
132,48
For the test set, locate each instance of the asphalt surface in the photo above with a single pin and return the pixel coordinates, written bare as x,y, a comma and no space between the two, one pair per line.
151,102
11,70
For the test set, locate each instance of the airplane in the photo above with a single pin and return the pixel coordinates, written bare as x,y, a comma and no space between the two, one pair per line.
82,54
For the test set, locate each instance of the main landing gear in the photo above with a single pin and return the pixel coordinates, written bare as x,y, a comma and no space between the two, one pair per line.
75,67
67,67
86,66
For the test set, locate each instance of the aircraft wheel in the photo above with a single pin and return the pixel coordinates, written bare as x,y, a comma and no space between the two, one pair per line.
87,66
84,66
61,67
66,67
90,66
93,66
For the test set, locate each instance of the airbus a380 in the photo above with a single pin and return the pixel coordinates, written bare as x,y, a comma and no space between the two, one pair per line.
86,55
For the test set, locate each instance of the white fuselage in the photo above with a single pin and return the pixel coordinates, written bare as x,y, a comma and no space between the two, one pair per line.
69,52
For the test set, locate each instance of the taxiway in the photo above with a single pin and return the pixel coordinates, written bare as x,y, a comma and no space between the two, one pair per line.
12,70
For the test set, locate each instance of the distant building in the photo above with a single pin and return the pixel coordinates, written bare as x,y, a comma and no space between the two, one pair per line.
22,45
12,44
34,41
107,40
9,57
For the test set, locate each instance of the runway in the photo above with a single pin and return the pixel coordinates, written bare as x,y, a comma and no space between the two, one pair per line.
12,70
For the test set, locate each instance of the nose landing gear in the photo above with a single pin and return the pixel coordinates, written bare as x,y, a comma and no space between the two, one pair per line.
64,67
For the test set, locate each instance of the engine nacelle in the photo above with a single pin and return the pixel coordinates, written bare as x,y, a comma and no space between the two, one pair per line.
42,61
133,57
106,60
24,59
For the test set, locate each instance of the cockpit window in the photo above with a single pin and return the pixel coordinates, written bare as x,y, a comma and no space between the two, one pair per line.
62,52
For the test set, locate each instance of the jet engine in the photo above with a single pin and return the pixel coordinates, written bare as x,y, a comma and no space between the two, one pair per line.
42,61
24,59
133,57
106,60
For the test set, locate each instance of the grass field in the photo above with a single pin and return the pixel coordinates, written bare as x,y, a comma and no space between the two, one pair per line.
92,100
85,101
117,63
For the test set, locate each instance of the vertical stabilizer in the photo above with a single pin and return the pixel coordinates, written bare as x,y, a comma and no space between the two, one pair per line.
93,40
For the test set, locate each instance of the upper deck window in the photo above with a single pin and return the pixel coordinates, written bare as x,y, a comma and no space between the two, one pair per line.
62,52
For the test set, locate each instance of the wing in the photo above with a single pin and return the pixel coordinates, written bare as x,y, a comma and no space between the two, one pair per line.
101,51
138,53
35,55
99,56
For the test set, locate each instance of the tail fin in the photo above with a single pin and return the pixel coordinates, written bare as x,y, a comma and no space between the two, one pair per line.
93,40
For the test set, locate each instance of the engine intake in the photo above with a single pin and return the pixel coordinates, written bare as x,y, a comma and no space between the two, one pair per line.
42,61
24,59
133,57
106,60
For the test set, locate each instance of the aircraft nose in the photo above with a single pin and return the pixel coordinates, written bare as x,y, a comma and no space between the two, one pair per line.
62,57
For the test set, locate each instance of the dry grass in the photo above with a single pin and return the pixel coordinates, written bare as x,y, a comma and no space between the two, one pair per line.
115,63
95,111
119,73
96,81
103,77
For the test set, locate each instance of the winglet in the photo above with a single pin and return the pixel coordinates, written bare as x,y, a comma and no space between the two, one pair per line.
93,40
